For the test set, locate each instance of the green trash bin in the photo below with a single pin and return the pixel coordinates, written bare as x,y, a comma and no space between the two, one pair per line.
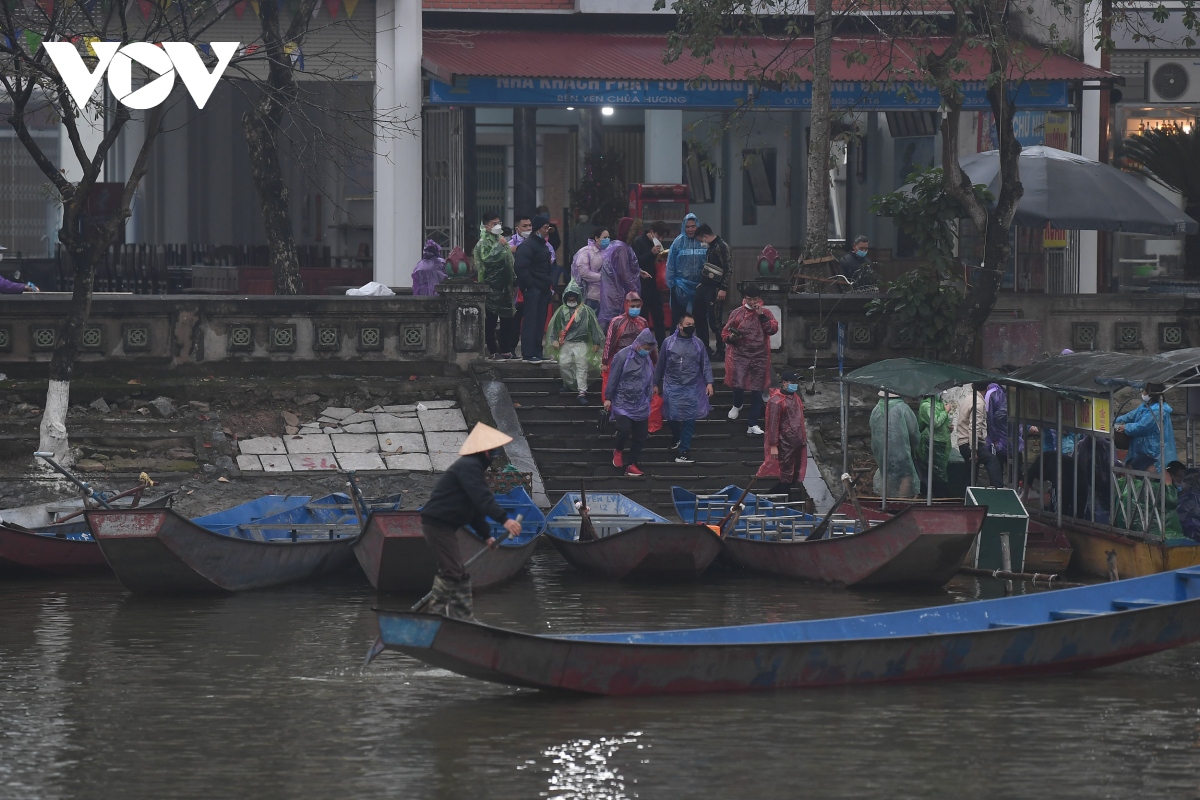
1006,514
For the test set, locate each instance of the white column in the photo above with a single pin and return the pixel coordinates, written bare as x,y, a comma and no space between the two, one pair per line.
664,145
1089,129
398,171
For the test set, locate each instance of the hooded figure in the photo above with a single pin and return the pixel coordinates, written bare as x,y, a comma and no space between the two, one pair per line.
586,268
684,378
903,441
430,270
747,335
494,263
1141,425
627,397
685,260
624,329
941,442
574,338
620,274
785,444
461,497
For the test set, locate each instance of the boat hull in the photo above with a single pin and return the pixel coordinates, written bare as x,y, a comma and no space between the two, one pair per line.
160,552
393,553
24,550
645,550
1047,549
1134,557
822,653
920,546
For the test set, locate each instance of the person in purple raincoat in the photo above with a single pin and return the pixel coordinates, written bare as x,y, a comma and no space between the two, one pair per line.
995,401
620,275
12,287
684,379
430,270
627,398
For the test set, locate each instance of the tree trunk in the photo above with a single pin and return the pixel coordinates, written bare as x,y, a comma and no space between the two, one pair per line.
816,236
272,195
262,125
52,433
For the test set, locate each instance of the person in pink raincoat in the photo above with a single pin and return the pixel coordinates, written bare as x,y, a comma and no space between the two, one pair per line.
588,265
747,336
620,275
430,270
785,445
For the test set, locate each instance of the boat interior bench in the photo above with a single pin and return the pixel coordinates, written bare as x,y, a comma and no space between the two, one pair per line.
291,532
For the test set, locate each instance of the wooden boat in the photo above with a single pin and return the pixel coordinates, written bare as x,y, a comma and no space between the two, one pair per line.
393,552
1069,630
158,551
711,509
920,546
54,539
1134,554
1047,549
632,541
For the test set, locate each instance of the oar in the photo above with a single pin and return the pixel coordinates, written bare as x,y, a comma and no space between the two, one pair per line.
587,531
848,483
355,498
729,522
87,490
819,531
424,601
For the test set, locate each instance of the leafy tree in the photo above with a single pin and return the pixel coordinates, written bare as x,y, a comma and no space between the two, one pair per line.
1171,157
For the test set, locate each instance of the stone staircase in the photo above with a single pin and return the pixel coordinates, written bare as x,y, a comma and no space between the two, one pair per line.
568,448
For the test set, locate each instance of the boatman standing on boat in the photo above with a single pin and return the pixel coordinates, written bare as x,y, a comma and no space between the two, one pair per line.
461,497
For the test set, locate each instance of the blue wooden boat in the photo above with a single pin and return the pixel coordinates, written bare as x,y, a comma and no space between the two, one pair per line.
1063,631
267,542
393,553
922,546
632,540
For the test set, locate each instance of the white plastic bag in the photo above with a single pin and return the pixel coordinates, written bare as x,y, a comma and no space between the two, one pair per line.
372,289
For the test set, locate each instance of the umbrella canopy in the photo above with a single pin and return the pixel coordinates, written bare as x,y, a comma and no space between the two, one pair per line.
915,377
1078,194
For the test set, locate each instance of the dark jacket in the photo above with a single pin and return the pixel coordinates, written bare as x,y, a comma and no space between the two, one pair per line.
533,264
461,496
718,253
858,270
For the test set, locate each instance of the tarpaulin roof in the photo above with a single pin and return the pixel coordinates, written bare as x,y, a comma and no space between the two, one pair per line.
1096,371
612,56
915,377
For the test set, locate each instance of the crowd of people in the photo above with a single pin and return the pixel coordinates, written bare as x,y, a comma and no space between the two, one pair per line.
610,322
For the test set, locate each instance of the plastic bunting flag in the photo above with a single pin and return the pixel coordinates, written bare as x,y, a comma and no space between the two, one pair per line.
332,6
254,5
239,9
350,5
33,40
147,8
296,54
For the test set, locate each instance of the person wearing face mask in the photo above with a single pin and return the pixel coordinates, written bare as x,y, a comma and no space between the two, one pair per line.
494,264
685,261
624,329
534,268
713,287
588,264
627,399
620,274
684,379
747,337
574,338
1141,426
461,498
785,445
856,266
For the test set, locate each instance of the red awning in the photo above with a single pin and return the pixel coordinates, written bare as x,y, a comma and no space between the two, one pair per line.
613,56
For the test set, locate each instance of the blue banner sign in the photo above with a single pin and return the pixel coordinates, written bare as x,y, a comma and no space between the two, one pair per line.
706,94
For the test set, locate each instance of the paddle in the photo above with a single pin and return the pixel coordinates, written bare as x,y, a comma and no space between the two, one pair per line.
424,601
356,498
587,531
729,522
848,482
87,490
819,531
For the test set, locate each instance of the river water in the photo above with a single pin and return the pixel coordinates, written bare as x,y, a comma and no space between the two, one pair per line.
262,695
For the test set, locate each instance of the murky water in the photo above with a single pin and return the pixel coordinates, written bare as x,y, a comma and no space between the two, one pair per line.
261,695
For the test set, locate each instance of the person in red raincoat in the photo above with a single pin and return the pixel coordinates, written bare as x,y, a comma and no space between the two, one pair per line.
747,336
785,445
621,332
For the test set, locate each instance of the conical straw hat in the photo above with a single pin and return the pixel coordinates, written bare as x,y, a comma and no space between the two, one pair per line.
483,437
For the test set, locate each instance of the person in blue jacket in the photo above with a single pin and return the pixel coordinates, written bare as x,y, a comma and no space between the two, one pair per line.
1141,426
685,260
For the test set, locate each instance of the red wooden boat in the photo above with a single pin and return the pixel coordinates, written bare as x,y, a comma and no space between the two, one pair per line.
633,541
393,553
1044,633
32,542
920,546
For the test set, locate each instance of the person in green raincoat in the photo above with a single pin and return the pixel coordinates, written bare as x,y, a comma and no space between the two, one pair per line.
903,443
574,338
494,261
941,443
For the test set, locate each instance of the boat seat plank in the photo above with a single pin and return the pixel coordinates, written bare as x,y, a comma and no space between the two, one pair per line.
1188,574
1006,624
1075,614
1130,604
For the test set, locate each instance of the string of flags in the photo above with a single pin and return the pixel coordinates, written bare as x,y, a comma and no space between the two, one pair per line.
148,8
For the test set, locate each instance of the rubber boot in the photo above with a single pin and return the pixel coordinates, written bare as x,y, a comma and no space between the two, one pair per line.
443,591
460,605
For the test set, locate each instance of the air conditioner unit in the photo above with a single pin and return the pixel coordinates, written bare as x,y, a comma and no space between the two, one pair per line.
1173,80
